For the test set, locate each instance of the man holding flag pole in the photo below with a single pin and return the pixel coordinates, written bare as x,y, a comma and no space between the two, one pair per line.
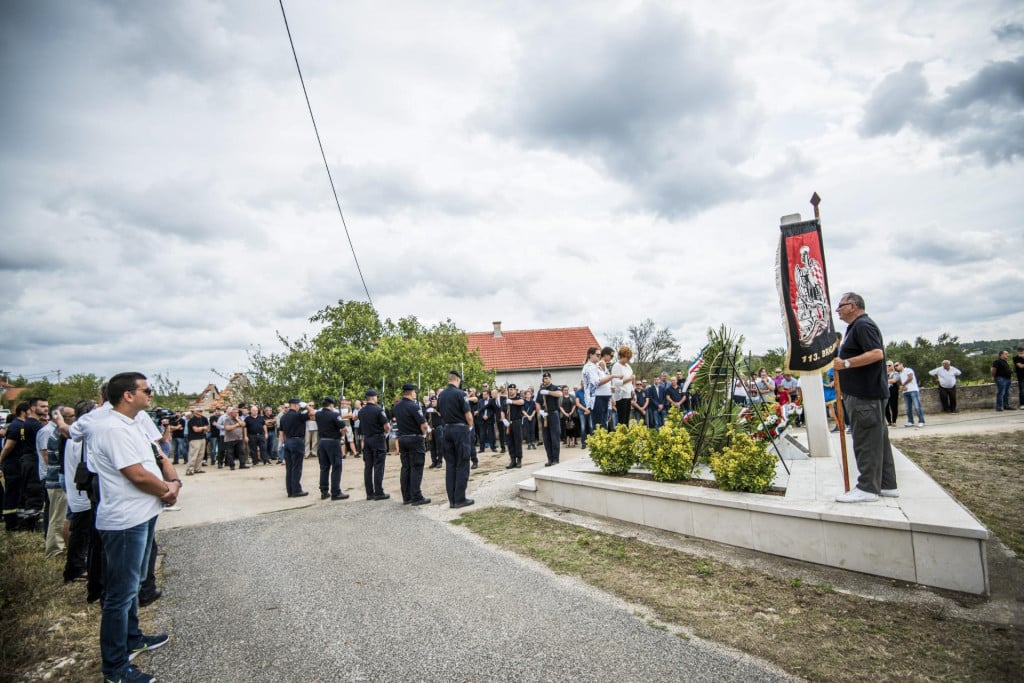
860,368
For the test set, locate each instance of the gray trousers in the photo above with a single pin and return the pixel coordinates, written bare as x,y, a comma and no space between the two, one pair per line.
871,443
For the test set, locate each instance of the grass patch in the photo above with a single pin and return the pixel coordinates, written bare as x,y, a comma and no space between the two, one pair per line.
985,472
46,627
808,630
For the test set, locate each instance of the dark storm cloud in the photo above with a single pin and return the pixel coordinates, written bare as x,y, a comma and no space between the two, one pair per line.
1009,32
659,106
982,115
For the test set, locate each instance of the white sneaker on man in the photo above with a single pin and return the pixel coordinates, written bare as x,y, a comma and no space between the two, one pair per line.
920,424
909,424
890,493
856,495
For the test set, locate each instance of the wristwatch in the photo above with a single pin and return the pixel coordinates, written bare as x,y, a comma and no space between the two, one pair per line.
846,363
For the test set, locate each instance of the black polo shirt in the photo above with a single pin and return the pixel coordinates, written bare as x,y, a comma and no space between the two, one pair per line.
293,424
372,420
868,381
329,423
407,414
195,422
453,405
254,425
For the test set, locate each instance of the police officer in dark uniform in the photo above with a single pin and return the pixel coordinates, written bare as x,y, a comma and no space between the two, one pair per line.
328,451
292,429
412,428
434,434
499,408
457,417
513,414
550,395
374,426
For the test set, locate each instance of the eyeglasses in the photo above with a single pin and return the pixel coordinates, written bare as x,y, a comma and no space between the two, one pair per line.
845,303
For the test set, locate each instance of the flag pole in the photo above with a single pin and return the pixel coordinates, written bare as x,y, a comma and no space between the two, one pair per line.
840,423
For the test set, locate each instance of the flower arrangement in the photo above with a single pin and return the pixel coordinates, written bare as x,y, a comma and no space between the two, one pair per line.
771,424
744,465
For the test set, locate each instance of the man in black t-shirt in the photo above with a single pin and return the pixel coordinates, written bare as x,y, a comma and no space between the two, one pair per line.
549,396
374,426
16,442
330,425
256,436
861,370
1003,377
197,428
412,427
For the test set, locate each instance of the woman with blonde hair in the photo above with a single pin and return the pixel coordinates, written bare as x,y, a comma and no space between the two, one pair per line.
622,385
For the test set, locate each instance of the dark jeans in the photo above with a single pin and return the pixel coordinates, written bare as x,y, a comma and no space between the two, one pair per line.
412,452
233,450
258,449
328,452
622,408
456,451
530,431
552,434
180,447
586,426
127,554
1003,393
77,562
948,399
12,493
294,450
600,411
375,453
871,443
892,408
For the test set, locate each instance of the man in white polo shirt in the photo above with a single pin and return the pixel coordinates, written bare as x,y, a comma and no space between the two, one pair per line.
135,489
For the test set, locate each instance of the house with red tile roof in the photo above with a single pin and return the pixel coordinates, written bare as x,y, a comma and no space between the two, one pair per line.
520,356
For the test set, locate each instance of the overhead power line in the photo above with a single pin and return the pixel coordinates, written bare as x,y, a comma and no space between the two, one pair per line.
330,178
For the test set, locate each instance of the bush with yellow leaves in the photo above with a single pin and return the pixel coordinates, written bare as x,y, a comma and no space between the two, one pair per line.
668,453
744,465
618,451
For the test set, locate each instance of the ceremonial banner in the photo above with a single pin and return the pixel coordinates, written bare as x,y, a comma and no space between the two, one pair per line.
803,290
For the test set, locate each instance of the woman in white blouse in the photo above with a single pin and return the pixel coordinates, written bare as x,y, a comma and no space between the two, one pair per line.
622,385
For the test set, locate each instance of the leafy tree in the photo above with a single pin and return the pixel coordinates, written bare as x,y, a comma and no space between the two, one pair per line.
355,349
75,388
652,348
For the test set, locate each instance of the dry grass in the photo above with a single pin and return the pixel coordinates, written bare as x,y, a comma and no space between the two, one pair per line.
47,630
985,472
808,630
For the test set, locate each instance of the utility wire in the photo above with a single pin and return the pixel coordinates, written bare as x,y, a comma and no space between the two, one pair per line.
322,154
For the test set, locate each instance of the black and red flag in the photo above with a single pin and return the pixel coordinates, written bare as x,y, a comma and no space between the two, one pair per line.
803,288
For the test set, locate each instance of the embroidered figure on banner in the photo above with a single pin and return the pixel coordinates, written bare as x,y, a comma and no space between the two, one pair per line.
811,306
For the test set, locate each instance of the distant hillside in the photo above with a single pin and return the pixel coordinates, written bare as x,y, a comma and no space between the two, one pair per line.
990,348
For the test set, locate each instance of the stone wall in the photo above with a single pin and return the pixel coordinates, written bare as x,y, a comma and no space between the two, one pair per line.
973,397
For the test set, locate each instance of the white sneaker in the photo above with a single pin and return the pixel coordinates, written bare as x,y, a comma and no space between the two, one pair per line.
920,424
855,495
909,424
890,493
172,508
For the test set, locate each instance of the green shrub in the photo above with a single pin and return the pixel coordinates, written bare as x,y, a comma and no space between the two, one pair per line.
744,465
616,452
668,453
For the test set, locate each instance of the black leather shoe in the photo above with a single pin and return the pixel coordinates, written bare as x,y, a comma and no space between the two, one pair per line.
340,496
300,494
150,598
548,464
510,466
421,501
407,502
244,467
474,466
462,504
380,496
324,495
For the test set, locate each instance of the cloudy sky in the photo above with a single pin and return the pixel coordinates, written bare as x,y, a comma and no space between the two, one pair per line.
164,205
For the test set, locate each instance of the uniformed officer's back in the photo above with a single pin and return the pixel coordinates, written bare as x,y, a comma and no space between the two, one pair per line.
453,405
